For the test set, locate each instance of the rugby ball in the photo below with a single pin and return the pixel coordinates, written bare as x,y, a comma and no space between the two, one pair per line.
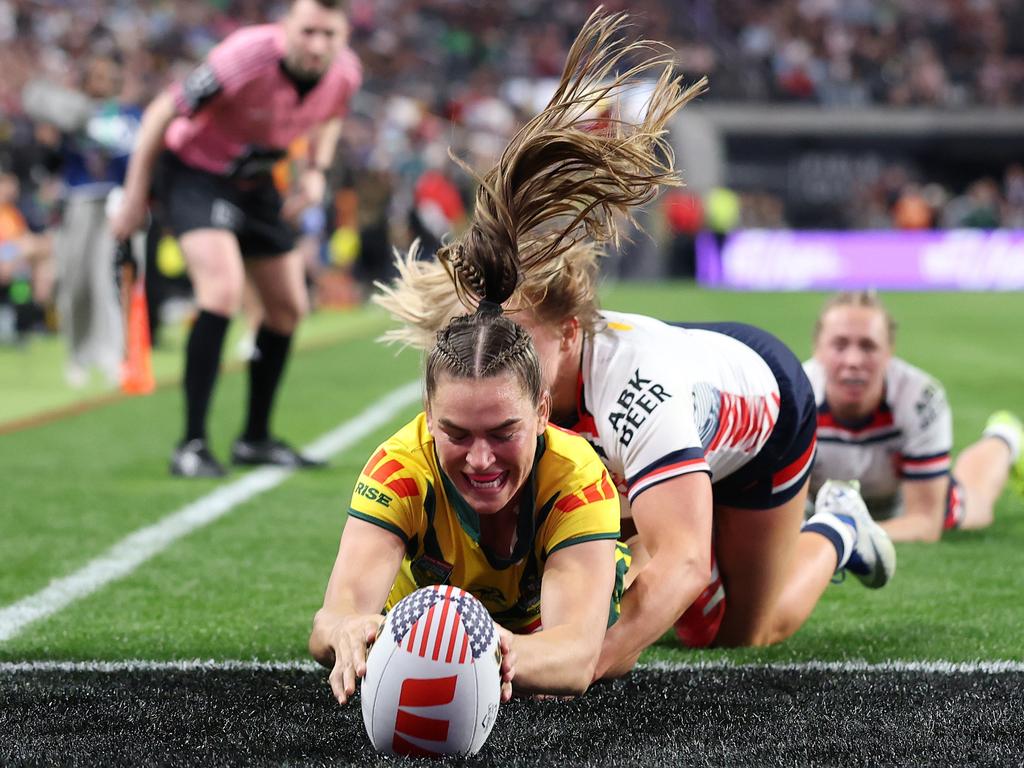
433,676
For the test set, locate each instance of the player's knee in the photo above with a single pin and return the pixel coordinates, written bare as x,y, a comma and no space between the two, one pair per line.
750,633
284,317
746,640
224,298
782,628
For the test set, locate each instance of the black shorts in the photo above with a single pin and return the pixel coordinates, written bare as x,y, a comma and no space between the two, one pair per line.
783,464
191,198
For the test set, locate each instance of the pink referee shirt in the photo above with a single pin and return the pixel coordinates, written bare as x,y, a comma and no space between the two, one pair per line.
239,100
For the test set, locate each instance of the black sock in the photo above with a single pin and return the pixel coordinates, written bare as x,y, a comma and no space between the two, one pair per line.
202,361
265,371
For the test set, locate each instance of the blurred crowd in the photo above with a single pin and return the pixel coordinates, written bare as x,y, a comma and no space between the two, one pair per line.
896,200
462,74
949,53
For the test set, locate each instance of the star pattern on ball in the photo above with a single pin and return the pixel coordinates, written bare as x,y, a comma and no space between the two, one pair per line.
477,623
409,610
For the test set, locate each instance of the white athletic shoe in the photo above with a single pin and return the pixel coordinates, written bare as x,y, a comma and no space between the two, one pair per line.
77,376
245,350
873,559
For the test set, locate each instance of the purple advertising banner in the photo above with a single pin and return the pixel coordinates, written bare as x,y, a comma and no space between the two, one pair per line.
784,260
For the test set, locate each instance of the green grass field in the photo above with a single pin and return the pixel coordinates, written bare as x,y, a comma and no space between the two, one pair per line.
247,585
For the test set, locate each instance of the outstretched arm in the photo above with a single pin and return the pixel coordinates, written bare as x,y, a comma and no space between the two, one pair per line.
673,520
155,119
364,571
313,180
575,597
924,510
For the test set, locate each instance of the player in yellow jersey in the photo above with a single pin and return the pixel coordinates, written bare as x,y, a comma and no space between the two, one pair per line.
481,493
405,490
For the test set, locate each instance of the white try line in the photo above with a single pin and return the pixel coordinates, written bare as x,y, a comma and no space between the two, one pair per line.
201,665
995,667
138,547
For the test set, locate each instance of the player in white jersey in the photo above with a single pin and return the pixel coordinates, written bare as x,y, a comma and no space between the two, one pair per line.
719,396
710,431
888,425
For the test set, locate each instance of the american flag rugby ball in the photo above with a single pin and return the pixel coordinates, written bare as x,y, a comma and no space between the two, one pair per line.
433,676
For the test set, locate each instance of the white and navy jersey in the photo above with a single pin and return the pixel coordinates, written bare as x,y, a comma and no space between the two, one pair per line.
659,401
908,437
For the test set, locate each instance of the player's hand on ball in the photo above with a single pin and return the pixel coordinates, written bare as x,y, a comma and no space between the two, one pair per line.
506,642
350,638
434,676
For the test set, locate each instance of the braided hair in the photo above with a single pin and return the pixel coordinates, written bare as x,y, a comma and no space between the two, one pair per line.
482,345
485,343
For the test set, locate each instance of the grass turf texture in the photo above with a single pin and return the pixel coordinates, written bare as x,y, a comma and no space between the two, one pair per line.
247,585
32,374
748,716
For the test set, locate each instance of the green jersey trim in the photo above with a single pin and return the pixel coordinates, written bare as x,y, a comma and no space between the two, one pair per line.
379,523
614,535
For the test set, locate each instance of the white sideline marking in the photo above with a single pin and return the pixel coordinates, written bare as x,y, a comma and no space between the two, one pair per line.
935,667
139,665
199,665
138,547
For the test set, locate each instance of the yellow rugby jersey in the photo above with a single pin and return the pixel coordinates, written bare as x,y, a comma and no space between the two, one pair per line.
568,499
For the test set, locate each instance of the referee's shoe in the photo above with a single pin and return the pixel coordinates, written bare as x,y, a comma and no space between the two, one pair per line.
192,458
270,451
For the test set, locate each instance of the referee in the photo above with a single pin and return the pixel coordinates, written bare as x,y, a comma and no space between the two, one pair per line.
213,140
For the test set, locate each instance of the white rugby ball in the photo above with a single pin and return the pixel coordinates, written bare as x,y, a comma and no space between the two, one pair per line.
433,676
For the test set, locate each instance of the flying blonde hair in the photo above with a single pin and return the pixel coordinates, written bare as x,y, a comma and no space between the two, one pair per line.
544,212
423,297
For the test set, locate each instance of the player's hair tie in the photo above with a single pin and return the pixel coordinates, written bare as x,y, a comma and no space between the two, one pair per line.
488,307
